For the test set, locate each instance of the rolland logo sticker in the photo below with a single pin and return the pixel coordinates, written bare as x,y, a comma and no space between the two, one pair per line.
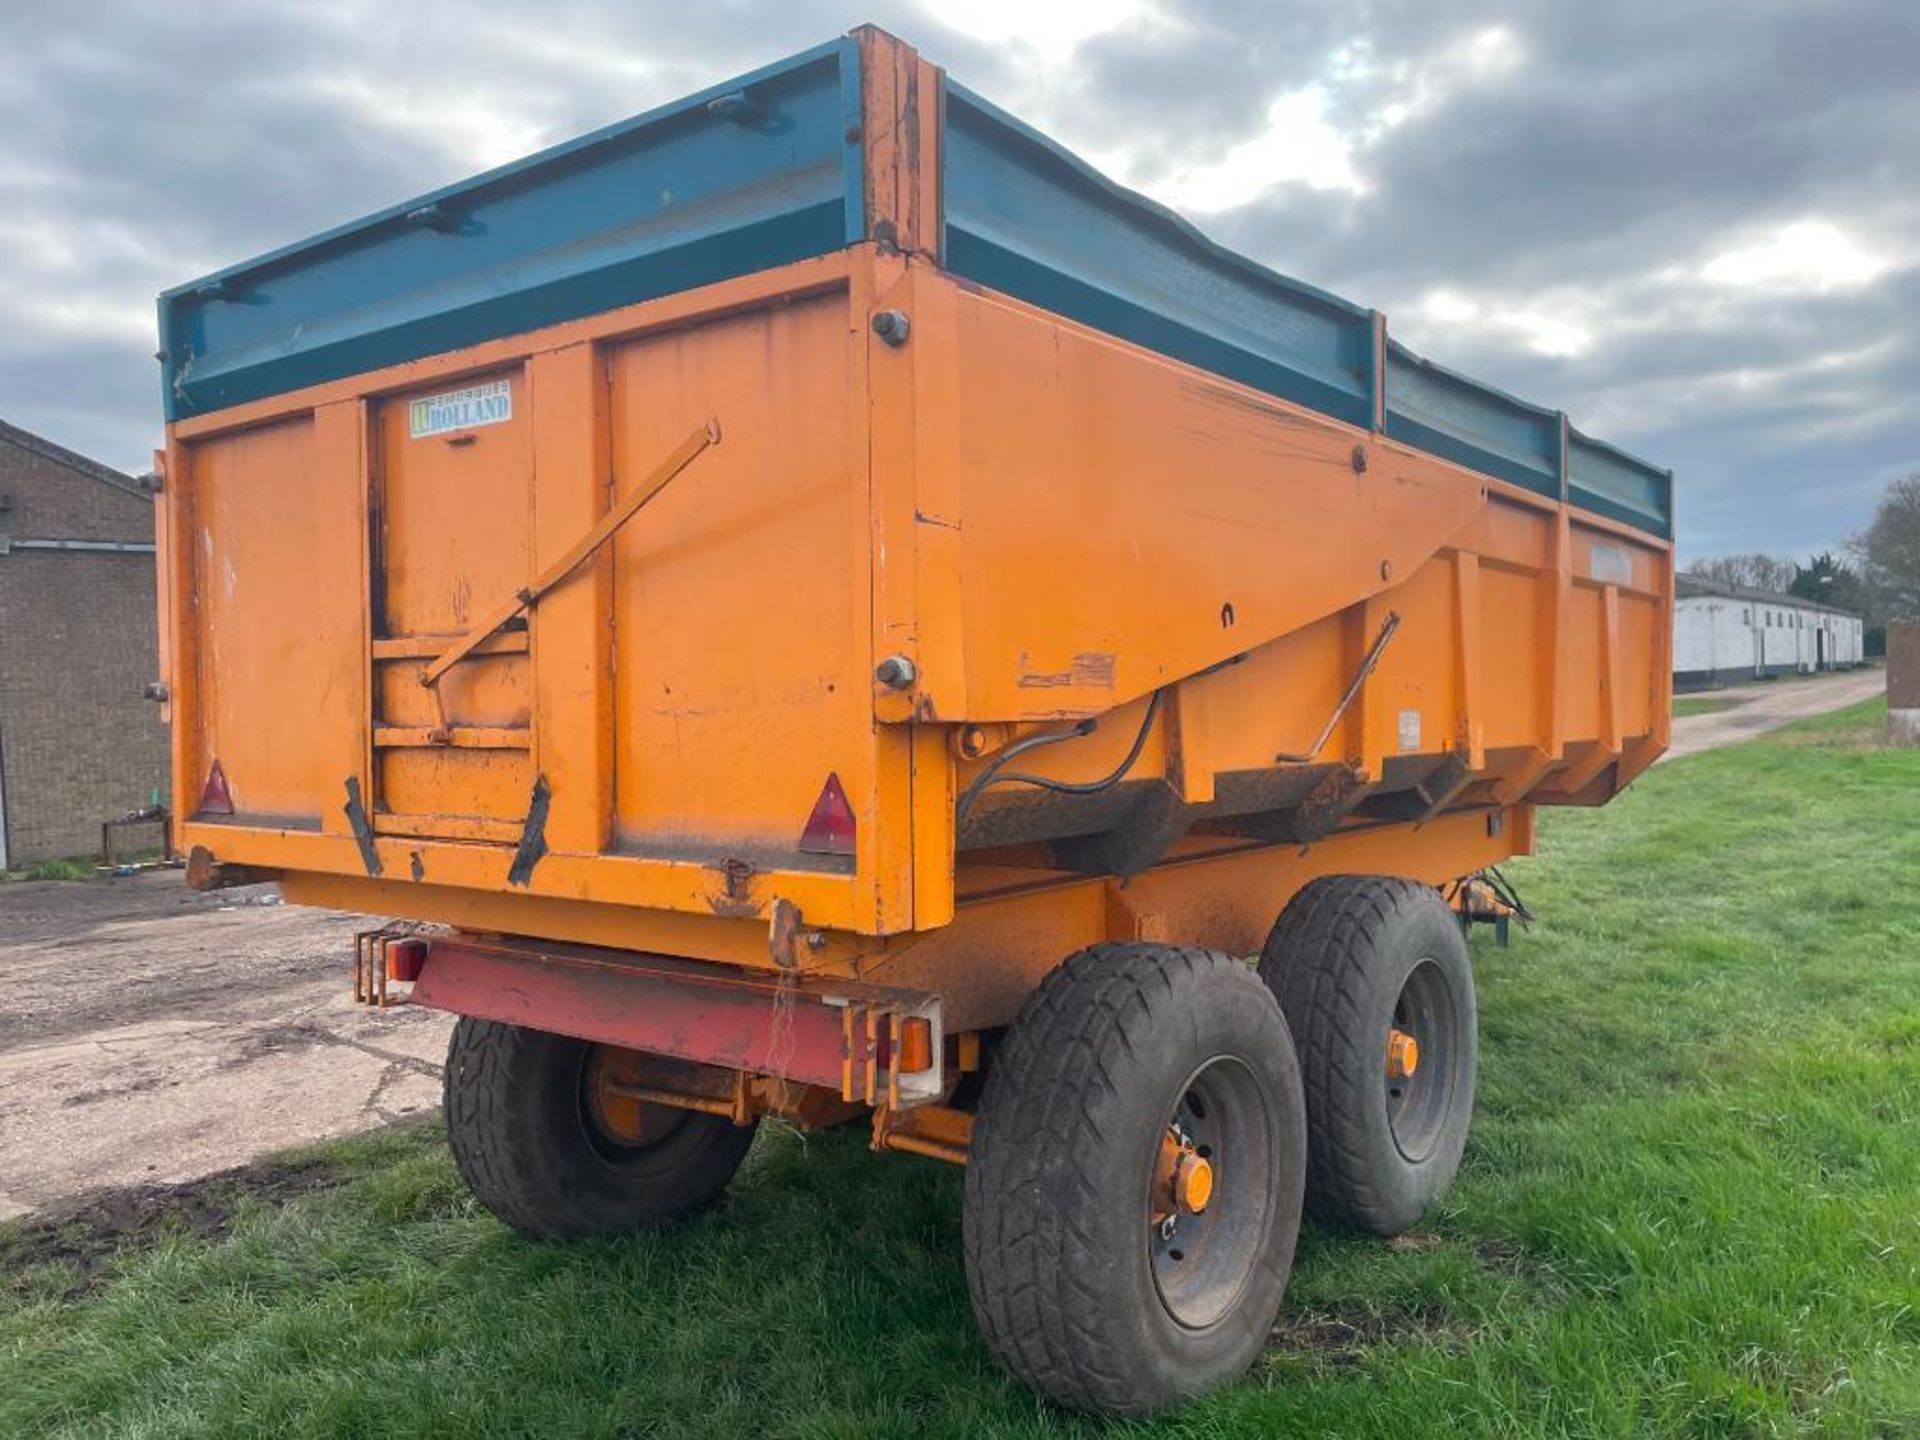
477,405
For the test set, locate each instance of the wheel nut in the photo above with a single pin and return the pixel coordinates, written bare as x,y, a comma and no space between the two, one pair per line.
1403,1055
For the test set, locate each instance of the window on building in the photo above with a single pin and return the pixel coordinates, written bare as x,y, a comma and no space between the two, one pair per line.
1746,616
1769,619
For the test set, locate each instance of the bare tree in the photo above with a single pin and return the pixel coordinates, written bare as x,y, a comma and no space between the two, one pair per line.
1888,551
1756,571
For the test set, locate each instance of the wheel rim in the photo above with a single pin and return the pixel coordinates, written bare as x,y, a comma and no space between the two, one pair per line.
1426,1014
1202,1260
620,1128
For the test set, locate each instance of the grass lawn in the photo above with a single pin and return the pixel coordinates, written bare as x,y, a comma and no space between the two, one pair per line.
1691,1207
1684,705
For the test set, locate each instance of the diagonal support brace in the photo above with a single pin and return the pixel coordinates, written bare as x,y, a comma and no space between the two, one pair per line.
529,596
1367,664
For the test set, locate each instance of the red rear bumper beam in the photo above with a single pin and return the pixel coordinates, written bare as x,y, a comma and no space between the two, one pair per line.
836,1033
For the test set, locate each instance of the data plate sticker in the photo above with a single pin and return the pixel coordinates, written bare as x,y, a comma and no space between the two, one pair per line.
468,409
1609,563
1409,731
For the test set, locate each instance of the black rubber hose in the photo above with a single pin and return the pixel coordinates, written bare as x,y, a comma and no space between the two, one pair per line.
993,775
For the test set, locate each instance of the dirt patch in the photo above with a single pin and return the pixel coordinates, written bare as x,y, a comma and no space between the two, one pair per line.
1756,709
88,1234
1341,1337
1856,742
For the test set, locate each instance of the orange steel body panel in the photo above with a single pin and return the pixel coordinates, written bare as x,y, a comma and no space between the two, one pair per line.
1050,524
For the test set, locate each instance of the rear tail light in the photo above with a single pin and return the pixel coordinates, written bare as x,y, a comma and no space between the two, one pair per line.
830,828
916,1045
216,798
405,958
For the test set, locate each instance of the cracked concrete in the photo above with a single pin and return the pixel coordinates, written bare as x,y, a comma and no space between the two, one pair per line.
152,1035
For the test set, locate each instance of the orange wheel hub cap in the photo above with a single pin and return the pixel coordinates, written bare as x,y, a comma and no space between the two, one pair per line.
1183,1179
1195,1184
1403,1055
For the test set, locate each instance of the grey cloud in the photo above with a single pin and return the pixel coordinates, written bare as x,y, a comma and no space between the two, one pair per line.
1630,144
146,142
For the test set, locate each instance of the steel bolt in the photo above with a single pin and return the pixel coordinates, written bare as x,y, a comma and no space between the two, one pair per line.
156,691
896,672
816,939
892,326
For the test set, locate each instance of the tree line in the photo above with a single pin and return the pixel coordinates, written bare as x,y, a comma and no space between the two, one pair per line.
1878,576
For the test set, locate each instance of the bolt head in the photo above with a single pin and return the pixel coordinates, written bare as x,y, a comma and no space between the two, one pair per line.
896,672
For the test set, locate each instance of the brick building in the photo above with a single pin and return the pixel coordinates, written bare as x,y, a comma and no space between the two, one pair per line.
78,742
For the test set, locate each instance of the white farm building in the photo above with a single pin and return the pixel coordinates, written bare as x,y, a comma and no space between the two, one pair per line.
1729,634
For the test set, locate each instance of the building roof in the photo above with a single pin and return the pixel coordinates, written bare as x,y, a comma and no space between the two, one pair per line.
1687,587
72,459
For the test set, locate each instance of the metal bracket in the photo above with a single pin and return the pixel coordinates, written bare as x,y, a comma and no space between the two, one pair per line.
434,217
739,107
356,812
783,934
932,1130
533,835
370,966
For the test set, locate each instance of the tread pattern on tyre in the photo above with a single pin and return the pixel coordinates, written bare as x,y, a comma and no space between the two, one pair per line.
1089,1015
507,1106
1317,961
475,1088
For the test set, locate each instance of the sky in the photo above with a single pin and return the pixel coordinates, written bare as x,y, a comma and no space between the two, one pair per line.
1692,224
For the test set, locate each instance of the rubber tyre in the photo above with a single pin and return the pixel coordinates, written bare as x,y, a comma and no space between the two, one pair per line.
1337,961
1058,1181
523,1144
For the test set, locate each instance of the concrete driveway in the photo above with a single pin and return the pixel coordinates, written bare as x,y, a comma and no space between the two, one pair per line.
1755,709
149,1035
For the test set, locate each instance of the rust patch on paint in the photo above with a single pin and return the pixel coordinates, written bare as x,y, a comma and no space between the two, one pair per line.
1090,668
736,901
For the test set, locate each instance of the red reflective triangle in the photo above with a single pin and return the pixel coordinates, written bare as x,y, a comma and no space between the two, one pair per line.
216,799
830,828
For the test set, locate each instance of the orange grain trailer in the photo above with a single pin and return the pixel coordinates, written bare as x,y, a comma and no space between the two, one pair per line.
837,611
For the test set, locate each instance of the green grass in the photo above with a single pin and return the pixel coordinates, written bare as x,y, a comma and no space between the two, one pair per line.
1691,1207
72,868
1684,705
